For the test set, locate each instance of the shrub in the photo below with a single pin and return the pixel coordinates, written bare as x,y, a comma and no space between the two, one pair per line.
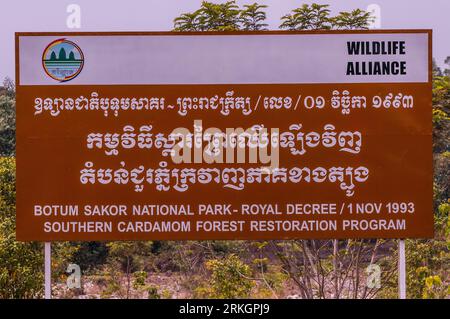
229,279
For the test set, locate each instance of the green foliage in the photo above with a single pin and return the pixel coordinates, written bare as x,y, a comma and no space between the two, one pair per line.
62,255
187,22
229,279
9,87
426,258
427,261
441,137
210,17
442,220
308,17
436,69
20,263
166,294
272,279
439,116
112,279
223,17
139,278
189,257
270,276
90,255
252,17
317,17
128,255
356,19
153,293
7,125
229,17
447,69
434,288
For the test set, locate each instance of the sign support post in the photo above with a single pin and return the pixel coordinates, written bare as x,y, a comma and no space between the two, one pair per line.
401,269
48,270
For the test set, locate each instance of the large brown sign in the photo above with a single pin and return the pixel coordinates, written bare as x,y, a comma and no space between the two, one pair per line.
267,135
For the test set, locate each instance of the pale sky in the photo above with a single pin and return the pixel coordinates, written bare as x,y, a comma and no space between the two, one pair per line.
158,15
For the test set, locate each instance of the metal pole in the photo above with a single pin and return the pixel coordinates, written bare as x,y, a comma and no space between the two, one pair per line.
401,270
48,270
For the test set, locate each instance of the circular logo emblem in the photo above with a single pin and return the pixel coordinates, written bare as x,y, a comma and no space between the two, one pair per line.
62,60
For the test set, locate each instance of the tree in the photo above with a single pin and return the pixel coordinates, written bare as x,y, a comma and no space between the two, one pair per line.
229,279
20,262
317,17
210,17
313,17
125,256
356,19
447,69
441,137
436,69
71,56
187,22
253,17
10,87
219,17
229,17
7,125
21,271
90,254
222,17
